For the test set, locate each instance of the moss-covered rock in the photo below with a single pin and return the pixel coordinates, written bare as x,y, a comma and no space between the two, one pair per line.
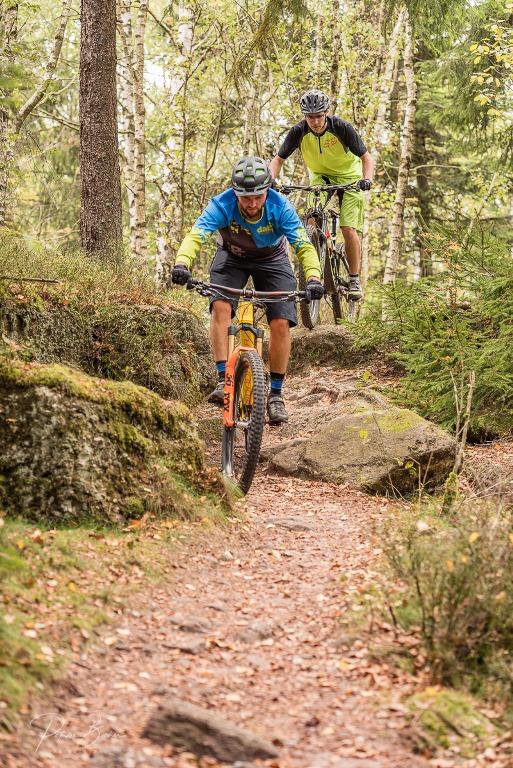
325,345
76,447
383,450
448,718
162,347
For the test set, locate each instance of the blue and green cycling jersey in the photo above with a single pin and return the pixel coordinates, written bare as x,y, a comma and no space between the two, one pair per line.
265,238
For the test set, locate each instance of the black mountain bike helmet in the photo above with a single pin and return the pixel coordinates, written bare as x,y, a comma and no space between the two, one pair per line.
251,176
314,102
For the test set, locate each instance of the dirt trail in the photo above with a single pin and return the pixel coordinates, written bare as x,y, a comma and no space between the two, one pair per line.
261,642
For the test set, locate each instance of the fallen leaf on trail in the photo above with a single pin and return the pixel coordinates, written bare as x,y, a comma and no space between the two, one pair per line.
473,537
137,523
30,633
20,544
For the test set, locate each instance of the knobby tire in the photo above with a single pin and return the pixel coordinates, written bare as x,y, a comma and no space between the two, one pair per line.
243,471
331,287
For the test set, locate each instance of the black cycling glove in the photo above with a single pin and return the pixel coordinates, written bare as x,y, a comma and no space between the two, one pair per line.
314,290
180,274
365,184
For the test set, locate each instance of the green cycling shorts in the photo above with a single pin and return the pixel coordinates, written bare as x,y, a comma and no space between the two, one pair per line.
353,204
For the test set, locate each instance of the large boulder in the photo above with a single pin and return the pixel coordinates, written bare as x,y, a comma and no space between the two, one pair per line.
325,345
344,431
161,346
74,447
378,451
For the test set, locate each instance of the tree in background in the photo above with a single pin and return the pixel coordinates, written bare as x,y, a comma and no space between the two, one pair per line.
200,83
100,213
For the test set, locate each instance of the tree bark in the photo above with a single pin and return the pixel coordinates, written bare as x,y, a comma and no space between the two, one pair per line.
251,121
51,66
335,53
126,100
8,34
421,160
376,129
140,134
407,139
169,221
100,212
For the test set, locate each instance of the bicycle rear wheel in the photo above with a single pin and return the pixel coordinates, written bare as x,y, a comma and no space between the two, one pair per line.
310,312
241,443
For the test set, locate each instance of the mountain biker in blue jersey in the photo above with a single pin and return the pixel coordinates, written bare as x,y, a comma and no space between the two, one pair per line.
334,153
253,224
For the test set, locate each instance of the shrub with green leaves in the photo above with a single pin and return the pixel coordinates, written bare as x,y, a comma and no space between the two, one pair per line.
445,326
450,582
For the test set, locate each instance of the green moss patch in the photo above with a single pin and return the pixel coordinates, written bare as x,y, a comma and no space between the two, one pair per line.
451,719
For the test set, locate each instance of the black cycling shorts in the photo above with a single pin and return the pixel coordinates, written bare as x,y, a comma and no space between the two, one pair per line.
268,275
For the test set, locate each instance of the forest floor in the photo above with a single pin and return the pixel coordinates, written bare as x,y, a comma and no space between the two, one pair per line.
250,623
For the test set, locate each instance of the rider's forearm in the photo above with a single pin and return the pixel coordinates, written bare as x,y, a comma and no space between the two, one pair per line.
276,165
367,166
190,248
309,260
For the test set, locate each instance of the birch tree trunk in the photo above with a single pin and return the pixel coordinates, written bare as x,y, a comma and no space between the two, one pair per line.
167,220
421,158
317,51
126,100
407,141
38,95
250,123
8,34
376,129
139,167
335,53
100,212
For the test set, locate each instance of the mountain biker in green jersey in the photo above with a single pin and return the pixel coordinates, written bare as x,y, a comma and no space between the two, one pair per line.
334,153
253,224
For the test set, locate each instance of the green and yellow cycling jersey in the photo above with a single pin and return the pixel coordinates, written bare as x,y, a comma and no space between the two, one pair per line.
335,152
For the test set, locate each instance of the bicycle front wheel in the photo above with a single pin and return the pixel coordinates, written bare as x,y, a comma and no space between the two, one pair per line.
310,312
241,443
332,286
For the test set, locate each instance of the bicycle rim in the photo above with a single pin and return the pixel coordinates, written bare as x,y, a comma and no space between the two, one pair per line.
241,443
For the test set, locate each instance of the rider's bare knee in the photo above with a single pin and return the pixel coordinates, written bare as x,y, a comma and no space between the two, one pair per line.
221,309
280,326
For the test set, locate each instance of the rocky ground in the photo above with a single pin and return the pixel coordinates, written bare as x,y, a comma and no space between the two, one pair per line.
250,627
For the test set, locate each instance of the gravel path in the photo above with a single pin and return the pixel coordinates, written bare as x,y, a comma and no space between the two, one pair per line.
249,625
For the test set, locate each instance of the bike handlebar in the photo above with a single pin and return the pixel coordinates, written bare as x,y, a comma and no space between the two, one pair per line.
245,293
318,189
